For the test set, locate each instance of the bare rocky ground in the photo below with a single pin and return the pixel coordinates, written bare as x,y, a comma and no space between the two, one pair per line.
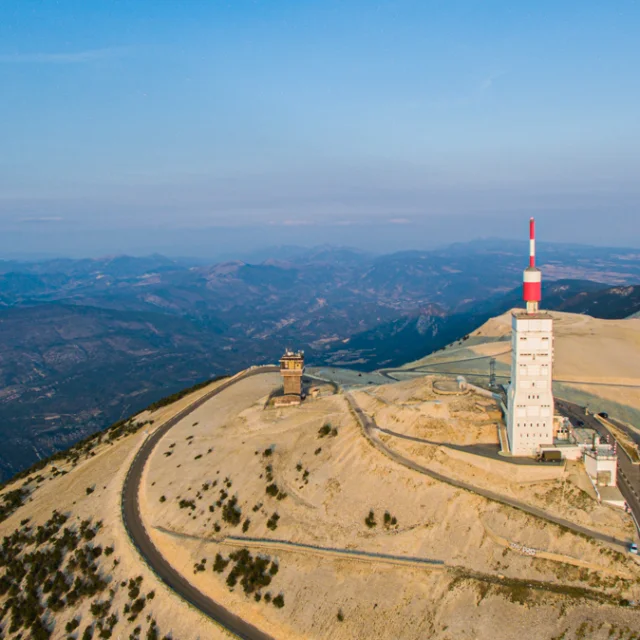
86,486
412,408
234,475
323,488
597,360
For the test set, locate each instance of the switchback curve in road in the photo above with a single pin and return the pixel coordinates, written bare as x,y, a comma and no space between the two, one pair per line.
369,427
135,528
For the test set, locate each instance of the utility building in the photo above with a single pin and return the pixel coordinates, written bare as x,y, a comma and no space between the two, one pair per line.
291,369
601,463
530,395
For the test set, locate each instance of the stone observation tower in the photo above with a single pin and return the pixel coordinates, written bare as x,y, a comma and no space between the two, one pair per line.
291,369
530,395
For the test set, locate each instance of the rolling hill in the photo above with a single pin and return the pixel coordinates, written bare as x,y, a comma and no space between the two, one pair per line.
85,342
307,523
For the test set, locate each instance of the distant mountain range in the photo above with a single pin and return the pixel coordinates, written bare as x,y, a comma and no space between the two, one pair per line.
397,342
86,342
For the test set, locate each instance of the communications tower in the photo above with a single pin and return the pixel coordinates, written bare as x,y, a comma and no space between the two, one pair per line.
530,396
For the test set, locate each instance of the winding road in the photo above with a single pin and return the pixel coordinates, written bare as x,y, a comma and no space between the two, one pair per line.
369,428
628,471
232,623
134,526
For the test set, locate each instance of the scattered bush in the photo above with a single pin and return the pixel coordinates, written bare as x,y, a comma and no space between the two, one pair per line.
152,631
251,571
370,520
272,523
327,430
72,625
231,512
220,564
272,489
11,501
324,430
136,608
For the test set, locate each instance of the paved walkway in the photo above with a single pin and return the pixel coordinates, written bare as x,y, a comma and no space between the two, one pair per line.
347,554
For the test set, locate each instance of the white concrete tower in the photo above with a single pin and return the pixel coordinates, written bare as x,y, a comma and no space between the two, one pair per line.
530,396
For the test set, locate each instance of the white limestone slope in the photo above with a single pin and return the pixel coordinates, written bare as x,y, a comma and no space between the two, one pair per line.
596,361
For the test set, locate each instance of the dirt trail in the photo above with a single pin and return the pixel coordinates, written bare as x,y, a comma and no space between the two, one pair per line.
555,557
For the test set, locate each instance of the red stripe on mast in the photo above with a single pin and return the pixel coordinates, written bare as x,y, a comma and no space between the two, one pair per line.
532,238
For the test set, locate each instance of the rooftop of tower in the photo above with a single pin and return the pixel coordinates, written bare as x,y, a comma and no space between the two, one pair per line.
539,315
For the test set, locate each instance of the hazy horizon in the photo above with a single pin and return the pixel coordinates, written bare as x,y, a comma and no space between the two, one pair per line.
203,128
262,249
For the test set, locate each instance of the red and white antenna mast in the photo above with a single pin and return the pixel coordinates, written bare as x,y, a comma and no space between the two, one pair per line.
532,290
532,243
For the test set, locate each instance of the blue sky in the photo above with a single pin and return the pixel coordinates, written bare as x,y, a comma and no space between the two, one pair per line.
140,125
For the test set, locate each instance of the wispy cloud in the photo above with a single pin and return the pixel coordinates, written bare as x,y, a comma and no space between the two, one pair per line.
292,223
399,221
487,83
74,57
42,220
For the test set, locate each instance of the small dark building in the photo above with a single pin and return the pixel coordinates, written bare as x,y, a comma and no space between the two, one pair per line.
291,369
